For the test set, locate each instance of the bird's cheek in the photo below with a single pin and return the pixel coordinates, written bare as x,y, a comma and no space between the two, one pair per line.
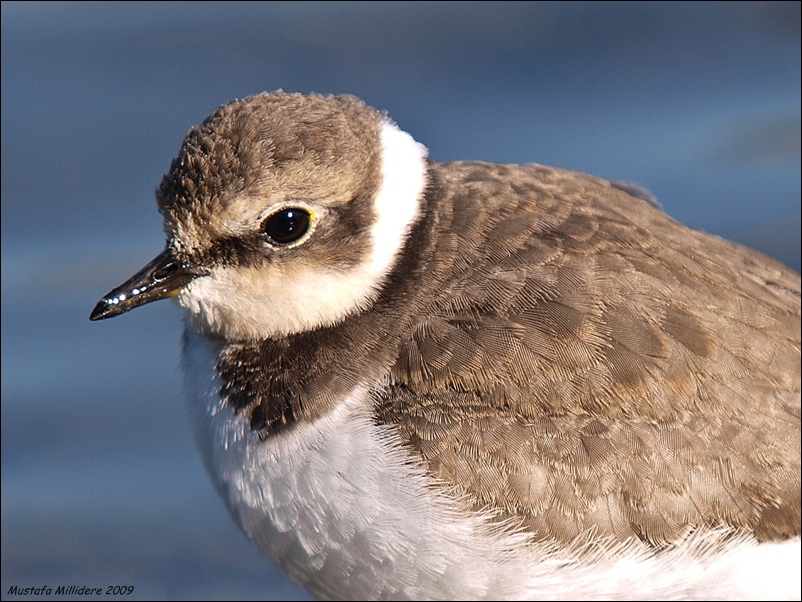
203,300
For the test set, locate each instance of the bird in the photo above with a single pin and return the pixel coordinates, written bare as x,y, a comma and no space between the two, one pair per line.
413,379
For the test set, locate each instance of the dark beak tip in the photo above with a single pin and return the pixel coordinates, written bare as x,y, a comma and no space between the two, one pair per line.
164,276
100,311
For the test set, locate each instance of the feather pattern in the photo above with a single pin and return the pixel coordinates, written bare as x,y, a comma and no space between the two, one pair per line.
649,372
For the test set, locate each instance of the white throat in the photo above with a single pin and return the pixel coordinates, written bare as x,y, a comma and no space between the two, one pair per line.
251,303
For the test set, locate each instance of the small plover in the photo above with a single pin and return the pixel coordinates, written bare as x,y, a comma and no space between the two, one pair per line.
423,380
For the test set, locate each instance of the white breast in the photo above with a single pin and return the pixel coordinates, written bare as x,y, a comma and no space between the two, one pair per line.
340,508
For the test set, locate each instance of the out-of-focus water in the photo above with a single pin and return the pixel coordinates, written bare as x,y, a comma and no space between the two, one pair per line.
101,484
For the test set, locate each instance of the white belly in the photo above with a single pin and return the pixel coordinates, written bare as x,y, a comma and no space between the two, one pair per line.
340,508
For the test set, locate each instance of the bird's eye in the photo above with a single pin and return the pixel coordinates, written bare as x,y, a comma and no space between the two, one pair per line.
287,226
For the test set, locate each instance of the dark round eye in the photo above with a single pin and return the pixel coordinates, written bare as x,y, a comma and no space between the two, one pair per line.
287,226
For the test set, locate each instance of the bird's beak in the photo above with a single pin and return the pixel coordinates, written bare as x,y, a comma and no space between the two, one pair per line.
163,277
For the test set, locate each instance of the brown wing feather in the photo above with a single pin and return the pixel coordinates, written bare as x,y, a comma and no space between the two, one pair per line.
588,365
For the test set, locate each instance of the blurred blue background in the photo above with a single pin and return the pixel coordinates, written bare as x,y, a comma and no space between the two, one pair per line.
101,484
